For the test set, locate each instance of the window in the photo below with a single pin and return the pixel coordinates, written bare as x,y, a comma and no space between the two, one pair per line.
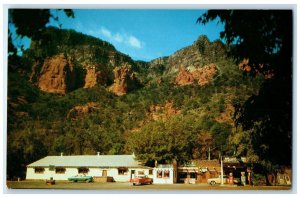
182,175
122,171
159,174
150,172
141,173
166,174
60,170
83,170
193,175
39,170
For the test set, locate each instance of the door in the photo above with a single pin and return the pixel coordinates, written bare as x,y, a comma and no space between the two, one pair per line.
132,173
104,173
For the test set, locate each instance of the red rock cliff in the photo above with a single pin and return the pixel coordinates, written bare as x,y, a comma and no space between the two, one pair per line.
124,81
202,75
56,75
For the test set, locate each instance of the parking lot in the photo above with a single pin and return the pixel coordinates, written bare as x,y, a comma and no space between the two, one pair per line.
128,186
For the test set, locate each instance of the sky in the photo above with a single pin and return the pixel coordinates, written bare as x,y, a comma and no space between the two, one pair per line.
141,34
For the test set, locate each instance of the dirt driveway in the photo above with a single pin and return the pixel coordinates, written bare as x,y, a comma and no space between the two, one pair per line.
100,187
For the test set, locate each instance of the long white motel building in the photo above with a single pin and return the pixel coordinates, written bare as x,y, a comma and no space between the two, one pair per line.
122,168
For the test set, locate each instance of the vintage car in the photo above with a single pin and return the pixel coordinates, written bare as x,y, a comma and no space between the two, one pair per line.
217,180
142,180
83,178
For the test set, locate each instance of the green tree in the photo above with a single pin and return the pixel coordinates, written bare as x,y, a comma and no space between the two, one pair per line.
264,37
31,22
180,138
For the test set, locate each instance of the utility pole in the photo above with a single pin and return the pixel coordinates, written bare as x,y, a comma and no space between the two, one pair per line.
222,181
208,153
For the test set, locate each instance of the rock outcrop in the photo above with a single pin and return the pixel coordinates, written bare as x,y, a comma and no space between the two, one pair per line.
125,80
79,111
93,77
72,60
202,52
57,75
184,77
202,75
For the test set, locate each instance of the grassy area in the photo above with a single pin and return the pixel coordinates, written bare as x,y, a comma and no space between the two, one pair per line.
129,186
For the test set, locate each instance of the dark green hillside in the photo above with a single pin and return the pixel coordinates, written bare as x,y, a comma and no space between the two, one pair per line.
63,41
159,121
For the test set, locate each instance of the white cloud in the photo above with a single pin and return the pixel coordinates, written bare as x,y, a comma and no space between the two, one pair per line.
105,32
124,38
134,42
118,37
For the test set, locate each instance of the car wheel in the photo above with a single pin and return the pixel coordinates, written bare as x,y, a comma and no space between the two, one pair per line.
212,183
151,182
87,181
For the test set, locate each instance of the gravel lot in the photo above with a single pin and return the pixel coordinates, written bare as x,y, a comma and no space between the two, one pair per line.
29,185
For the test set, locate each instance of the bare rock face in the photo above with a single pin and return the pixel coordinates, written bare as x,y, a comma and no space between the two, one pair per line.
56,75
202,75
93,77
125,80
206,74
79,111
184,77
202,52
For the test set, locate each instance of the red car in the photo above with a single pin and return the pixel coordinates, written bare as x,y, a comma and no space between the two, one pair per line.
142,180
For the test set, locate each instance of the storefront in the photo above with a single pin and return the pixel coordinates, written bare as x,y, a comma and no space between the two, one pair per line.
164,174
198,171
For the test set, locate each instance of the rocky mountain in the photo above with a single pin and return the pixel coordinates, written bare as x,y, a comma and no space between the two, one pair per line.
62,64
124,80
77,94
202,52
201,76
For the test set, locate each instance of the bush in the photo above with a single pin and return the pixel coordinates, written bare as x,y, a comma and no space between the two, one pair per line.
258,179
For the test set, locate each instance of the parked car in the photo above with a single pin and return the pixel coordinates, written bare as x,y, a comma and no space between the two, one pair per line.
84,178
217,180
142,180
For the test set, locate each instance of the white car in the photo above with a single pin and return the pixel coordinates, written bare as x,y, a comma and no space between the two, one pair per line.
217,180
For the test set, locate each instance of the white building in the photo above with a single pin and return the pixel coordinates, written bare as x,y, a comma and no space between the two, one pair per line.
121,167
164,174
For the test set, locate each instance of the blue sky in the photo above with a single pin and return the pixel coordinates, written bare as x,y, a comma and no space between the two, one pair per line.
142,34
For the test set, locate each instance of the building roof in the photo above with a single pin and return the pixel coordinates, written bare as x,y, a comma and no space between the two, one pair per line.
207,163
235,160
202,165
88,161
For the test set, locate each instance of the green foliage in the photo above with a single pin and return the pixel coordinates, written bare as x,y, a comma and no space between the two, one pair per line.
119,125
31,23
258,179
211,52
265,38
164,142
57,41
